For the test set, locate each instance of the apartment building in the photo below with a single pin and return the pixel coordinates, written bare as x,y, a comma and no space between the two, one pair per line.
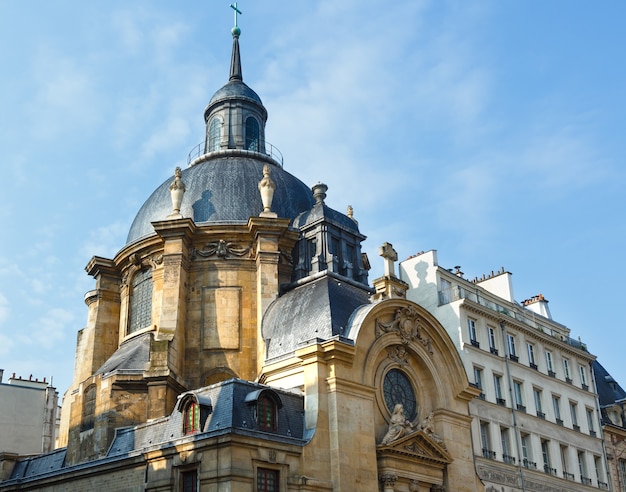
536,422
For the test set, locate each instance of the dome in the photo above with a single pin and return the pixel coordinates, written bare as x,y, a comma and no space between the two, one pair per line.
235,89
224,189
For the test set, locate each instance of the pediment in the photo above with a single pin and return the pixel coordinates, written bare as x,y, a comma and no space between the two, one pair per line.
417,446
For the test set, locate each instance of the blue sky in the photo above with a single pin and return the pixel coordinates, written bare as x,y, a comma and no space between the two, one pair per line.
491,131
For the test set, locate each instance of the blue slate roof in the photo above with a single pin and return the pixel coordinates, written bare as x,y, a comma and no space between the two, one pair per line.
317,310
224,189
321,211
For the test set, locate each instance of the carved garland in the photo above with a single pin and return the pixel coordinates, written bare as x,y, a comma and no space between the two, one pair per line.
406,323
222,249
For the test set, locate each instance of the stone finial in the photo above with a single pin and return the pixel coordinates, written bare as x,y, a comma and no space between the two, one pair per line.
266,188
390,256
351,214
177,190
319,192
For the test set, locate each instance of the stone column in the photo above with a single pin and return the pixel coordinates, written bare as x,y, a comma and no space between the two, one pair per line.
270,237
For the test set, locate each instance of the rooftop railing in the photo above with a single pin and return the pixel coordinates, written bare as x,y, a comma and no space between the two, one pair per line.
525,316
270,151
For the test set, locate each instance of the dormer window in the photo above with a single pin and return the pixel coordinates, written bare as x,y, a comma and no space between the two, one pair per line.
265,411
195,411
252,134
215,134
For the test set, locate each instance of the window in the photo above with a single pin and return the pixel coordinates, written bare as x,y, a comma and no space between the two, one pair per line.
511,343
545,454
556,404
266,480
252,134
531,355
526,450
504,438
549,364
566,371
590,419
583,377
215,131
89,408
191,418
573,410
519,400
471,326
397,388
492,341
599,470
140,301
497,384
478,377
486,441
582,467
189,481
538,403
266,413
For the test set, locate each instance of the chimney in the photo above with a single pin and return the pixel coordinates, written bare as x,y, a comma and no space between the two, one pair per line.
538,304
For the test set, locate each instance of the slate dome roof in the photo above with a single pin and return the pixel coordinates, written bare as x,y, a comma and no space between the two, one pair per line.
224,189
235,89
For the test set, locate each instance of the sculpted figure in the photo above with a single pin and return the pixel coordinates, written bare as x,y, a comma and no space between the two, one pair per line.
399,426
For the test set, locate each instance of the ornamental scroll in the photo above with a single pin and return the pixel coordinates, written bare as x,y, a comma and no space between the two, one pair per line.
406,324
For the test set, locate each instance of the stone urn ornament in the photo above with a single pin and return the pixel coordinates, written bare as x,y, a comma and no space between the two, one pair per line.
177,190
267,188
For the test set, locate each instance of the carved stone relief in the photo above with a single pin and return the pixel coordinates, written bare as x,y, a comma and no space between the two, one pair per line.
222,249
398,353
406,324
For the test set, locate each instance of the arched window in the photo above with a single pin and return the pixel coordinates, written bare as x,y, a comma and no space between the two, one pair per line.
191,418
266,413
140,301
215,134
252,134
89,408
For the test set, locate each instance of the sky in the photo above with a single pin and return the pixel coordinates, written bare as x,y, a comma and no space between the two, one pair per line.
491,131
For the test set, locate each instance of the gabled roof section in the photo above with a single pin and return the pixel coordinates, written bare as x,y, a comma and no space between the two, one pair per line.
417,446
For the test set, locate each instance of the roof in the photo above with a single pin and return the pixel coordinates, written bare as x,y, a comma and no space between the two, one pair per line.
223,189
317,310
609,391
132,355
321,211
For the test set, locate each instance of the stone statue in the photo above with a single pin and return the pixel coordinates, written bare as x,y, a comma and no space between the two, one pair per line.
399,426
427,426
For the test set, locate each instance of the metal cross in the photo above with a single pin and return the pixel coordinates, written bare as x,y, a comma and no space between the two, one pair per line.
237,11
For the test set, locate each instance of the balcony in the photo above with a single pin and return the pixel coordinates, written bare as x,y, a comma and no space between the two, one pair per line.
531,465
541,415
533,366
508,459
548,470
488,453
585,480
559,422
493,350
552,374
603,485
501,402
585,387
521,408
576,427
269,150
569,381
514,357
569,476
592,433
475,343
482,396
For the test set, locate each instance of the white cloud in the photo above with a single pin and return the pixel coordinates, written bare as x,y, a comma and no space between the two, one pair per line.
105,240
51,327
4,308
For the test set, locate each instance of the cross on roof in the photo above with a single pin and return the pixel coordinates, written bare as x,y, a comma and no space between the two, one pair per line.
236,11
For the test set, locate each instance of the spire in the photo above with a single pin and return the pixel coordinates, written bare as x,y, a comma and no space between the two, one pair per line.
235,60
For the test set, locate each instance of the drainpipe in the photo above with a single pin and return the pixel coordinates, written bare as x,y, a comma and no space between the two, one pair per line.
513,405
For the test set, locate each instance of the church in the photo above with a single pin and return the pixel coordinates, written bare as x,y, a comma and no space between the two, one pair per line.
234,343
